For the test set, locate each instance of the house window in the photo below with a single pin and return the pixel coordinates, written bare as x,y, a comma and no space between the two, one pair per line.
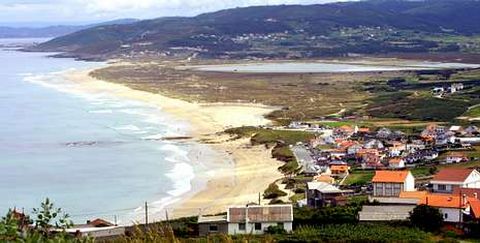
280,225
213,228
258,226
445,216
442,187
397,188
388,189
241,226
379,189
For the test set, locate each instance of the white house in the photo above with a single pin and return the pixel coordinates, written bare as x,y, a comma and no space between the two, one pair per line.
97,228
249,219
391,183
446,180
396,163
451,206
455,157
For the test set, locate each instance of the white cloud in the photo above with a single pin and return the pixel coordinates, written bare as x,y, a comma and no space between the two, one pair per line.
98,10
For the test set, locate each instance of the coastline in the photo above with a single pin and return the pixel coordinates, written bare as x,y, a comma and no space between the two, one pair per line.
233,173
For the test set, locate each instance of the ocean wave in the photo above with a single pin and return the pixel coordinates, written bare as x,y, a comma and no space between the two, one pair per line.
129,127
177,150
106,111
182,174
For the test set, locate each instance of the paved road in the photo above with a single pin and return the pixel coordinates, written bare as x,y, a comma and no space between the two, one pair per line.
304,158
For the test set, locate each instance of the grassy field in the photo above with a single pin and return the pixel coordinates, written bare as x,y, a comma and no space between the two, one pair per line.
306,96
359,177
302,96
267,136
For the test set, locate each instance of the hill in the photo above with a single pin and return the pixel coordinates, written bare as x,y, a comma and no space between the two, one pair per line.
52,31
285,31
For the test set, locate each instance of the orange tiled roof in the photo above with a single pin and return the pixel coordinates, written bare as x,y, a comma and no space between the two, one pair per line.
347,143
325,178
367,151
339,167
442,200
452,174
364,129
456,154
395,160
346,128
413,194
475,207
390,176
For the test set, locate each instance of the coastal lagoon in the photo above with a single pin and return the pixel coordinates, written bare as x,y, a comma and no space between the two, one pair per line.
94,155
327,67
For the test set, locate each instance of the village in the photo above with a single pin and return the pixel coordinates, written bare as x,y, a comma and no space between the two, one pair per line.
392,192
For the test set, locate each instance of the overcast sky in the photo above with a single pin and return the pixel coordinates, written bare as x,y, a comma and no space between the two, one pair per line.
41,12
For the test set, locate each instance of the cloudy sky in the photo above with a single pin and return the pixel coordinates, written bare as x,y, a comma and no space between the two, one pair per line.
41,12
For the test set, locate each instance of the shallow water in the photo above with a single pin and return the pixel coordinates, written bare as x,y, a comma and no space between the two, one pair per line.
93,155
324,67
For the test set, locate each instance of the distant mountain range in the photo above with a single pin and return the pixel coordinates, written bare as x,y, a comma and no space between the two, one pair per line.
335,28
52,31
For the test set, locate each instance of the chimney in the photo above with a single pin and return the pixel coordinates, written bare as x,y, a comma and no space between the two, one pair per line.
475,195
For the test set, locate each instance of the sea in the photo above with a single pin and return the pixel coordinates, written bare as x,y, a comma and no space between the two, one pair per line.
94,156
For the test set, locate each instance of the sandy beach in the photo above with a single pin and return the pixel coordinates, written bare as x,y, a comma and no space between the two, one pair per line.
225,184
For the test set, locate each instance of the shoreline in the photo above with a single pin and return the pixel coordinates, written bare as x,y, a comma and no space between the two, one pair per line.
234,171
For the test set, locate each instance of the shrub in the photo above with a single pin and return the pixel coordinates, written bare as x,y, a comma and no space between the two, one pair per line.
273,192
275,229
356,233
426,218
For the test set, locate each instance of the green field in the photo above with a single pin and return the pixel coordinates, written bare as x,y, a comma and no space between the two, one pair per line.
359,177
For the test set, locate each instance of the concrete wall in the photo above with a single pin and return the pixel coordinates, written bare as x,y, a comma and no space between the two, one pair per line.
233,228
387,189
104,232
452,215
204,228
473,180
409,183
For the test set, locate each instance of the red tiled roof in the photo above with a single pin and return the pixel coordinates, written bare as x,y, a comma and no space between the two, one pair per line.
452,174
390,176
100,223
271,213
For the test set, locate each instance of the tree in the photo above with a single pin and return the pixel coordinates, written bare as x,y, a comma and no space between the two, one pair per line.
426,218
47,217
9,228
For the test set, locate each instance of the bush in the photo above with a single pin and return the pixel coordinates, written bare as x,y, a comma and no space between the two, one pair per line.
273,192
356,233
426,218
275,230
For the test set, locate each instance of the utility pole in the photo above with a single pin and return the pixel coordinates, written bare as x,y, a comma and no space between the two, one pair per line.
146,214
115,219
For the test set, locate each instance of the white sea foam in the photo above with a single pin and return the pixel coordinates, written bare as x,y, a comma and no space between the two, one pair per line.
127,127
181,175
106,111
157,125
176,150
